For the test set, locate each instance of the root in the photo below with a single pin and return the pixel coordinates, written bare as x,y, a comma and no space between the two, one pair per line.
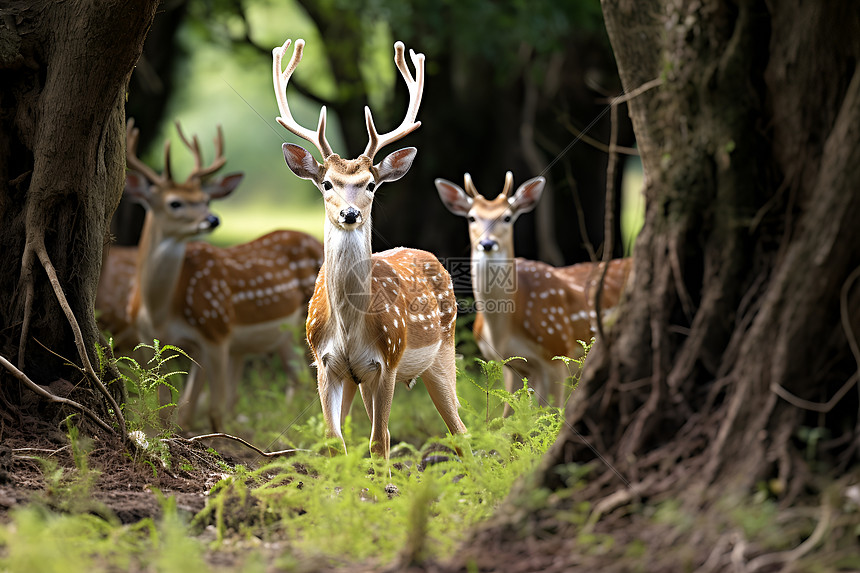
795,554
52,397
279,453
36,246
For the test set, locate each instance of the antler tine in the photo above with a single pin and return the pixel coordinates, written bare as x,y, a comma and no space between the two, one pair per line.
133,162
194,147
168,173
199,171
416,91
471,191
509,184
280,80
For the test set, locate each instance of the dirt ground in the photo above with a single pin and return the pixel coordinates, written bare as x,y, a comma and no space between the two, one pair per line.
124,486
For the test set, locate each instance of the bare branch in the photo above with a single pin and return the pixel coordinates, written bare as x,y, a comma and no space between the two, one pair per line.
247,444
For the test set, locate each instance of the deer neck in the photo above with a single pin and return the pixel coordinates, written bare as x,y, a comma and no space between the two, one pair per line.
348,274
159,266
494,284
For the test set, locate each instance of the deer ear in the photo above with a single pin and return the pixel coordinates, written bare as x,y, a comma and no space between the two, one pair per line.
396,164
223,186
527,195
453,197
137,188
301,162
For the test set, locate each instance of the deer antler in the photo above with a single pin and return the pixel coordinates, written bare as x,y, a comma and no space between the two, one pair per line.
416,90
199,173
509,184
469,187
132,135
281,79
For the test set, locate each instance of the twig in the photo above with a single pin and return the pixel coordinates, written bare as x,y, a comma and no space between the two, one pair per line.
53,397
609,217
249,445
595,143
43,450
624,98
580,214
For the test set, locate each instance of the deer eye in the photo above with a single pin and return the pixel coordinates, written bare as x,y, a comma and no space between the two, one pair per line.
327,185
371,186
175,204
507,219
471,219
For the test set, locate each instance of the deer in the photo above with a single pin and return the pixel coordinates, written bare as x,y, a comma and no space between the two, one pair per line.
119,264
527,308
375,319
218,304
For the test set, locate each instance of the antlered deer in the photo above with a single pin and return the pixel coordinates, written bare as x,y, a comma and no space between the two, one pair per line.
374,319
527,308
218,304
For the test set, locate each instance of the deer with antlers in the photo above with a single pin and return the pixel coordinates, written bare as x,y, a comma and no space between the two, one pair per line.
527,308
375,319
220,304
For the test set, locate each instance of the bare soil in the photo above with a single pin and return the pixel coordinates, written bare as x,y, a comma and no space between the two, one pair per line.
125,486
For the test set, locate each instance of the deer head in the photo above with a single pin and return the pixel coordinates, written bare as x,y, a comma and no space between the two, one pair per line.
348,186
491,221
181,209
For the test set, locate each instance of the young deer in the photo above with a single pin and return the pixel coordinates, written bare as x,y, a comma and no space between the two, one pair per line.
527,308
374,319
218,304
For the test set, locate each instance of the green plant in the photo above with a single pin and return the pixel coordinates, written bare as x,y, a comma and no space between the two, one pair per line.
144,382
576,374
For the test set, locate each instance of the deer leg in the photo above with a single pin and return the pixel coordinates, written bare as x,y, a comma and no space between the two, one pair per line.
237,365
349,390
559,382
512,382
441,383
377,398
217,368
336,397
185,408
288,357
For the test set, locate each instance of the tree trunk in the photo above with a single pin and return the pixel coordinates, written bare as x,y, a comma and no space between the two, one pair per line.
741,322
65,68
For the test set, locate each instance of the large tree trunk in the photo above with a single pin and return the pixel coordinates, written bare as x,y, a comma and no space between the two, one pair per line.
65,68
741,323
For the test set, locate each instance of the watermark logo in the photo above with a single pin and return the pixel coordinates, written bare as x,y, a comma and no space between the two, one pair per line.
387,289
499,275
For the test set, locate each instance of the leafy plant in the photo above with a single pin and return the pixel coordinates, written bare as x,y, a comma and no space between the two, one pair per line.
144,382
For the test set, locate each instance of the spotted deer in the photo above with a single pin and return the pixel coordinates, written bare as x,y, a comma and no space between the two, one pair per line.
218,304
375,319
119,265
527,308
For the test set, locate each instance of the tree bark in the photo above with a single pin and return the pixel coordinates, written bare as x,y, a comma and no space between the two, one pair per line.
65,69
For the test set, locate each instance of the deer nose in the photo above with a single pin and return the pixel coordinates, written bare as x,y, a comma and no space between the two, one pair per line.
213,221
350,216
488,245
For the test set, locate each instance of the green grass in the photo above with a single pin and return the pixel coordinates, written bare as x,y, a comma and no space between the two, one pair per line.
310,508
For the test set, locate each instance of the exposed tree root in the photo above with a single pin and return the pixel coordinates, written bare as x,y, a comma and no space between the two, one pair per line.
36,247
53,397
